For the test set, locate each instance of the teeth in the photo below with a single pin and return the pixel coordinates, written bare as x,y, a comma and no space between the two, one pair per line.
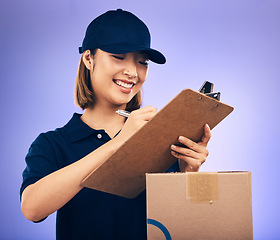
123,84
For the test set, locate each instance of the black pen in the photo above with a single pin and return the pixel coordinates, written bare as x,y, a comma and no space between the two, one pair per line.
123,113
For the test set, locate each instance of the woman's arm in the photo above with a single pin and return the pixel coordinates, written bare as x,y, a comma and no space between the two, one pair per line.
194,154
53,191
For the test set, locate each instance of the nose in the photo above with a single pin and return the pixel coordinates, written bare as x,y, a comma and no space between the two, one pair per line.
130,69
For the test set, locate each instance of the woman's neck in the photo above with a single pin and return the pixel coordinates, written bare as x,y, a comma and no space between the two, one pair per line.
100,117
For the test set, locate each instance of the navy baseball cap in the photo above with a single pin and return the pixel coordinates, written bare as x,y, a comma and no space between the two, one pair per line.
119,32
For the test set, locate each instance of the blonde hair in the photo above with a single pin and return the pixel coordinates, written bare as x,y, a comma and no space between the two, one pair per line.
84,95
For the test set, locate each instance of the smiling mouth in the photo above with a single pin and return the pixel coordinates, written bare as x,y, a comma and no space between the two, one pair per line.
124,84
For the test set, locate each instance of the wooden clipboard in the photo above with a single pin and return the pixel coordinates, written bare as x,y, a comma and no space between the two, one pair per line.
148,150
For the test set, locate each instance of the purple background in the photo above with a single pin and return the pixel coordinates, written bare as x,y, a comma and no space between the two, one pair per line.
234,44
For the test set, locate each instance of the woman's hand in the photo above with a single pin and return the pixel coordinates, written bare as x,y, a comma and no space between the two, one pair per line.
194,154
136,120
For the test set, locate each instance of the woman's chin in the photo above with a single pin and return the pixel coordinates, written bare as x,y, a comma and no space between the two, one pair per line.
121,101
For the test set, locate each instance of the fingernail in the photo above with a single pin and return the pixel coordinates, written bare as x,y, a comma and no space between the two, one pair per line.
207,125
173,147
181,138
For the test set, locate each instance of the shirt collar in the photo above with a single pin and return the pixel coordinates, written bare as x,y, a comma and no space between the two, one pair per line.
77,130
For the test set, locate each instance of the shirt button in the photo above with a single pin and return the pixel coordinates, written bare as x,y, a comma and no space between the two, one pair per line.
99,136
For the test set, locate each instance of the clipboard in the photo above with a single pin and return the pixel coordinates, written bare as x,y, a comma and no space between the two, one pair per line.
148,150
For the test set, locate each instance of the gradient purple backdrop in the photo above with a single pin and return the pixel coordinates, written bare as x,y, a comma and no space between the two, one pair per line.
234,44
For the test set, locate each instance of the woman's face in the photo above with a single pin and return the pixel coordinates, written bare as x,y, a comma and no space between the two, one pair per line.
116,78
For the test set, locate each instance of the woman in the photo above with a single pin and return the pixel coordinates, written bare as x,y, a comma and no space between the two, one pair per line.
112,70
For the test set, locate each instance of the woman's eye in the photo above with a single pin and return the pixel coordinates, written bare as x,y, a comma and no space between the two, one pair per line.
145,63
118,57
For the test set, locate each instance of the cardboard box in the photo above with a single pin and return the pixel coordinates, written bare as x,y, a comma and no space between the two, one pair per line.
199,206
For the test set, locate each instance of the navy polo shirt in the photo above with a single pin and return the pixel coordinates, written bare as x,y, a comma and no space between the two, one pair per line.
90,214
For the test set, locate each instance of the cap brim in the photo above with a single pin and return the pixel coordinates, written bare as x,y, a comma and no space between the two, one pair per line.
153,55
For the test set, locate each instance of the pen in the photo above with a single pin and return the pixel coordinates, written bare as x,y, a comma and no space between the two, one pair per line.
123,113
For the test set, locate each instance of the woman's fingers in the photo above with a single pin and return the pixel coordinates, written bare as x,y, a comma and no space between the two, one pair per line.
136,120
206,137
183,151
145,113
196,147
192,164
192,155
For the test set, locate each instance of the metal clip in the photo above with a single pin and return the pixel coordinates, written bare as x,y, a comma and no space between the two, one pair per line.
207,89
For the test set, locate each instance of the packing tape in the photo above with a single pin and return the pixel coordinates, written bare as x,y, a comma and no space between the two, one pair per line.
202,187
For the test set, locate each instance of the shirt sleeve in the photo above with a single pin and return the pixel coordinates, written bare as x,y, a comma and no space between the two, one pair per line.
174,168
40,161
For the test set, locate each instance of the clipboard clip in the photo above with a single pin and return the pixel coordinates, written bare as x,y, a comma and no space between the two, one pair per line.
207,89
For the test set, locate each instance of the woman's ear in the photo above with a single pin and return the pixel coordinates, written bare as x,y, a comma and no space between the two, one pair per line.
87,59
